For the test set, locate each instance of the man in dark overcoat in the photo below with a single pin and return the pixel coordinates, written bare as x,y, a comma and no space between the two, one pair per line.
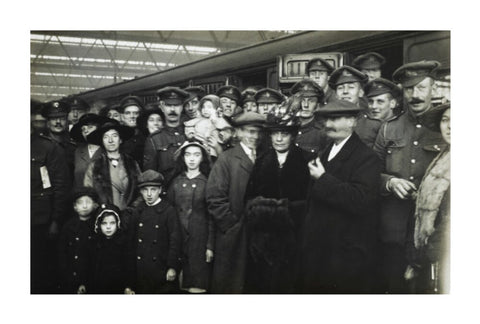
340,224
226,187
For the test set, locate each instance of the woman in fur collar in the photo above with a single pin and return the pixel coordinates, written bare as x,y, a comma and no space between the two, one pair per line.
276,194
430,263
113,175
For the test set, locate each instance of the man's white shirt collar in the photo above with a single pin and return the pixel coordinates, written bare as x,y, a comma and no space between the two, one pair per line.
336,148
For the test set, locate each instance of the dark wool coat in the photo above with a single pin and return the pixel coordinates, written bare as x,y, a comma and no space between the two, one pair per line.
113,262
98,173
226,187
196,224
82,160
340,224
157,243
270,266
134,147
74,248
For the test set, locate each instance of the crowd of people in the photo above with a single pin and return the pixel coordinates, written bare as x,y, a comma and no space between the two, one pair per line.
343,186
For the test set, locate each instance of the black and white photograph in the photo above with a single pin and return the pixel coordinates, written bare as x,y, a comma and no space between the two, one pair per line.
221,171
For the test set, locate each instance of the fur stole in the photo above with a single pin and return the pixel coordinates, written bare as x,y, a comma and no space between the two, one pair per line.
102,181
434,185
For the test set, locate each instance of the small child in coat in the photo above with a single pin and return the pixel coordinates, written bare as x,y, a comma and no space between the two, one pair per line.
157,238
113,263
74,243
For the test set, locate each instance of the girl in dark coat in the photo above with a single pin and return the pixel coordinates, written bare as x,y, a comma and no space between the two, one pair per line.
113,267
187,193
276,196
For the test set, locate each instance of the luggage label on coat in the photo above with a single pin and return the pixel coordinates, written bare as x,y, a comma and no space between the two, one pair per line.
45,178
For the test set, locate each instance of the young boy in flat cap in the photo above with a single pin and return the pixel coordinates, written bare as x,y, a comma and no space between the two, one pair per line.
74,243
157,238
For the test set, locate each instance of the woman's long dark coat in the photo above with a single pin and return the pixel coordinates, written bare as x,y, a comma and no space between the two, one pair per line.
339,232
272,270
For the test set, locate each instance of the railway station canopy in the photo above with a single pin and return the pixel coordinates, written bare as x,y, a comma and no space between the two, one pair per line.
64,63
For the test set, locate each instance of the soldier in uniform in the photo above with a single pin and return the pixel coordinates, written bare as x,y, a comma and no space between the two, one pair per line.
248,100
318,70
268,100
382,103
406,147
348,84
370,64
311,137
49,185
230,98
130,108
78,108
191,107
57,129
160,146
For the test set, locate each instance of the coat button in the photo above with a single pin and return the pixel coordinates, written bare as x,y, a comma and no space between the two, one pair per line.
179,144
156,226
184,185
313,151
296,144
139,257
154,258
413,161
139,240
299,133
77,239
411,178
194,185
436,147
415,143
389,152
154,241
176,133
74,274
75,257
140,224
419,126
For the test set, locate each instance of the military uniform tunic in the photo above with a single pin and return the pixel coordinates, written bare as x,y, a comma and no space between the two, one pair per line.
367,128
159,149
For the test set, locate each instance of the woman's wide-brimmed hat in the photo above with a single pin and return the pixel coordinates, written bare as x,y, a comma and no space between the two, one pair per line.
286,123
434,116
96,137
191,142
87,119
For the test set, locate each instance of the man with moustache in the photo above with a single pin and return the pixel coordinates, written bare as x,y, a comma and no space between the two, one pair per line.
56,113
160,146
305,99
318,70
225,192
406,147
383,97
338,246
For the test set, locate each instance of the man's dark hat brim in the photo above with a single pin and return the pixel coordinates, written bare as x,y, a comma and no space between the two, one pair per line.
96,137
338,108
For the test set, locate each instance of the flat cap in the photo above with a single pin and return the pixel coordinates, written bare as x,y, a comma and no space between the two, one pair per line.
150,178
381,86
412,73
54,109
229,91
338,108
369,61
196,91
249,118
268,96
319,64
172,95
346,74
307,88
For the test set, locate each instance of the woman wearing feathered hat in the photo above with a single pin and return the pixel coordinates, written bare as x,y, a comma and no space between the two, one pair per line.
276,194
113,175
